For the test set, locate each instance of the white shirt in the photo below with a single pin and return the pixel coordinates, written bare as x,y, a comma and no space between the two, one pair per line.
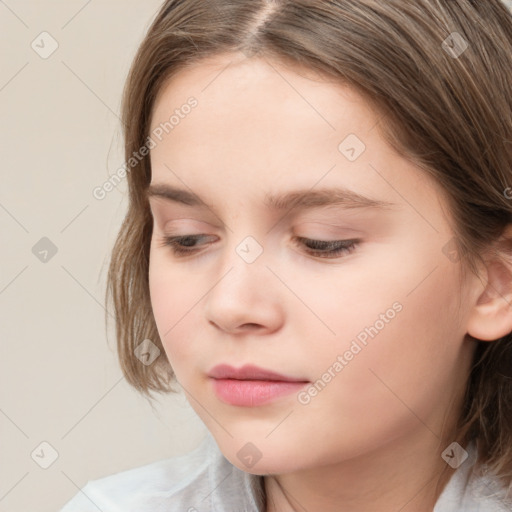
205,481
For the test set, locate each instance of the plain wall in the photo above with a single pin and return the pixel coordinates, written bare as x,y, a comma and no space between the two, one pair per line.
60,137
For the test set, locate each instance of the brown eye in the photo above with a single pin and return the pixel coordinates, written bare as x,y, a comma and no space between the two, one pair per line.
327,248
184,244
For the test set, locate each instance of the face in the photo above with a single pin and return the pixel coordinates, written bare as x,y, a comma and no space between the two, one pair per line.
276,262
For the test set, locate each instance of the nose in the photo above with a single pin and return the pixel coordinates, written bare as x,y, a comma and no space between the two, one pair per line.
245,298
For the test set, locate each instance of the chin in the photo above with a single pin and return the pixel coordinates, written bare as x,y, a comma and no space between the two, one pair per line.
261,457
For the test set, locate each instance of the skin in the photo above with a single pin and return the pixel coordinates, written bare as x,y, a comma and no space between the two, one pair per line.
264,127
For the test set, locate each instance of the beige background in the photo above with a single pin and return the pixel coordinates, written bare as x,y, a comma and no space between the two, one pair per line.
60,138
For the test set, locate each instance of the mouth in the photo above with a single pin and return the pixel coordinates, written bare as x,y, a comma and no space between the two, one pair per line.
251,386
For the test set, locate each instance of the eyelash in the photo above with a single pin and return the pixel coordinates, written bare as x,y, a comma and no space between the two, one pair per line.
340,246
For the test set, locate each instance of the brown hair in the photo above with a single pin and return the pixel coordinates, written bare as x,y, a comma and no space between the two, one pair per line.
445,107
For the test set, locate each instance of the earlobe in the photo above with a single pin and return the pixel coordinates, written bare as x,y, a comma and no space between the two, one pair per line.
491,315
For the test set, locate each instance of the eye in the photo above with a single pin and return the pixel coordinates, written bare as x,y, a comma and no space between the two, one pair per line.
327,248
187,244
182,245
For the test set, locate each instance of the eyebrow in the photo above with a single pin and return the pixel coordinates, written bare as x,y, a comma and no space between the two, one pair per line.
296,199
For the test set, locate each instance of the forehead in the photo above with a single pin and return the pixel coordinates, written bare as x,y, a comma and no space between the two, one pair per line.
243,90
255,113
238,73
260,127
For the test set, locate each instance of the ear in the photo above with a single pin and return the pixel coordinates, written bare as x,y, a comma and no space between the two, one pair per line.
491,315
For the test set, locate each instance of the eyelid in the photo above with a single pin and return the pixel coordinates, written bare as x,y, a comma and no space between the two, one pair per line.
312,229
325,230
335,227
184,223
165,211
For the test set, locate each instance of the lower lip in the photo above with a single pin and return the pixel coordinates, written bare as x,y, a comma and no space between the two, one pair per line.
250,393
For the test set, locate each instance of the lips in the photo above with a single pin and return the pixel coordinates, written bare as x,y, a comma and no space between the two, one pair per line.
249,372
251,386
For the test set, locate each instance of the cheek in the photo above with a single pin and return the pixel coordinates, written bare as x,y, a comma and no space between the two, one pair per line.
175,300
406,372
408,359
167,301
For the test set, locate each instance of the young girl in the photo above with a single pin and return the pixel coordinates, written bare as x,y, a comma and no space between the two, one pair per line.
317,250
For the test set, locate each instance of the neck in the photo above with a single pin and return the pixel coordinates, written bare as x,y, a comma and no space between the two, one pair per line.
406,475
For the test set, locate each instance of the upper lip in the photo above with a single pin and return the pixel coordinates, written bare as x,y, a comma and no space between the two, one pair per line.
249,372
